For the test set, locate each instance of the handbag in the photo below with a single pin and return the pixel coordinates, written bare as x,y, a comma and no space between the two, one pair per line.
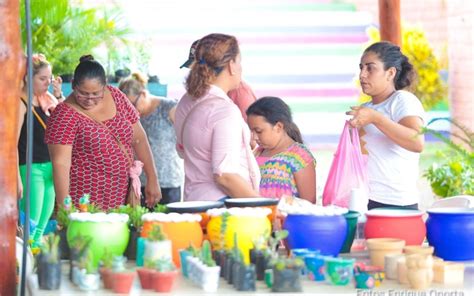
348,170
134,193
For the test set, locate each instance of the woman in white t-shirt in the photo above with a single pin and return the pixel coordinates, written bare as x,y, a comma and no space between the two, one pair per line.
389,126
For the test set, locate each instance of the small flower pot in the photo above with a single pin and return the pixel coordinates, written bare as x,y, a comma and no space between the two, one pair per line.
89,281
315,266
146,277
379,247
123,282
75,275
286,280
236,273
131,250
107,279
63,245
183,254
229,262
269,277
49,274
247,278
163,281
339,271
157,250
261,263
210,278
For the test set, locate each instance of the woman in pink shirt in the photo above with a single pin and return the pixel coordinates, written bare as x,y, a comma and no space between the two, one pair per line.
212,136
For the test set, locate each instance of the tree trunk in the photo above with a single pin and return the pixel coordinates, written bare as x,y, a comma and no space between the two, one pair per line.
389,19
11,65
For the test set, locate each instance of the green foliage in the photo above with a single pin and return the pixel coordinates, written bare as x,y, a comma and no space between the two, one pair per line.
259,242
160,208
206,254
79,244
64,31
87,262
118,263
63,215
222,231
50,248
134,214
455,174
93,208
430,88
149,263
156,234
107,258
193,251
165,265
281,263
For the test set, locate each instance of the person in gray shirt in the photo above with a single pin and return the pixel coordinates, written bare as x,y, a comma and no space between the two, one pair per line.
157,118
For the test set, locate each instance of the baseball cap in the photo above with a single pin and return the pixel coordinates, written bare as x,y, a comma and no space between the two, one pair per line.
190,60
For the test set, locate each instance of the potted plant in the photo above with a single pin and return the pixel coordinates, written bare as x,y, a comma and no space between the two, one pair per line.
49,264
106,269
145,274
63,221
219,254
121,277
183,255
210,271
135,224
78,248
89,279
455,174
286,271
164,276
157,246
243,275
259,255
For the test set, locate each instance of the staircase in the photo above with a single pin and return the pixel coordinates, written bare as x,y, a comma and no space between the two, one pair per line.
305,51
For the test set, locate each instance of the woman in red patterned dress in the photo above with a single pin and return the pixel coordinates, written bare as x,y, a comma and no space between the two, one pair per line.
83,138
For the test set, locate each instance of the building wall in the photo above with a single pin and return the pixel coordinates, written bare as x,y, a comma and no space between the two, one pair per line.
460,20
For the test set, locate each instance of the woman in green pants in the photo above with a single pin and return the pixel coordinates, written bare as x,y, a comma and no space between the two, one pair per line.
42,190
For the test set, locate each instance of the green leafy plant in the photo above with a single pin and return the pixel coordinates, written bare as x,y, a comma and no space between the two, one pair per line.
119,263
65,30
87,262
63,215
80,244
159,208
430,88
222,231
193,251
206,254
134,214
165,265
454,175
260,242
107,258
50,248
156,234
93,208
149,263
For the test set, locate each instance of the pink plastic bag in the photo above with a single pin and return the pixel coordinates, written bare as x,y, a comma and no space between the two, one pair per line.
348,170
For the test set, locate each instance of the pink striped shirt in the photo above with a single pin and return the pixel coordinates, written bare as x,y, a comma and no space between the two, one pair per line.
215,140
